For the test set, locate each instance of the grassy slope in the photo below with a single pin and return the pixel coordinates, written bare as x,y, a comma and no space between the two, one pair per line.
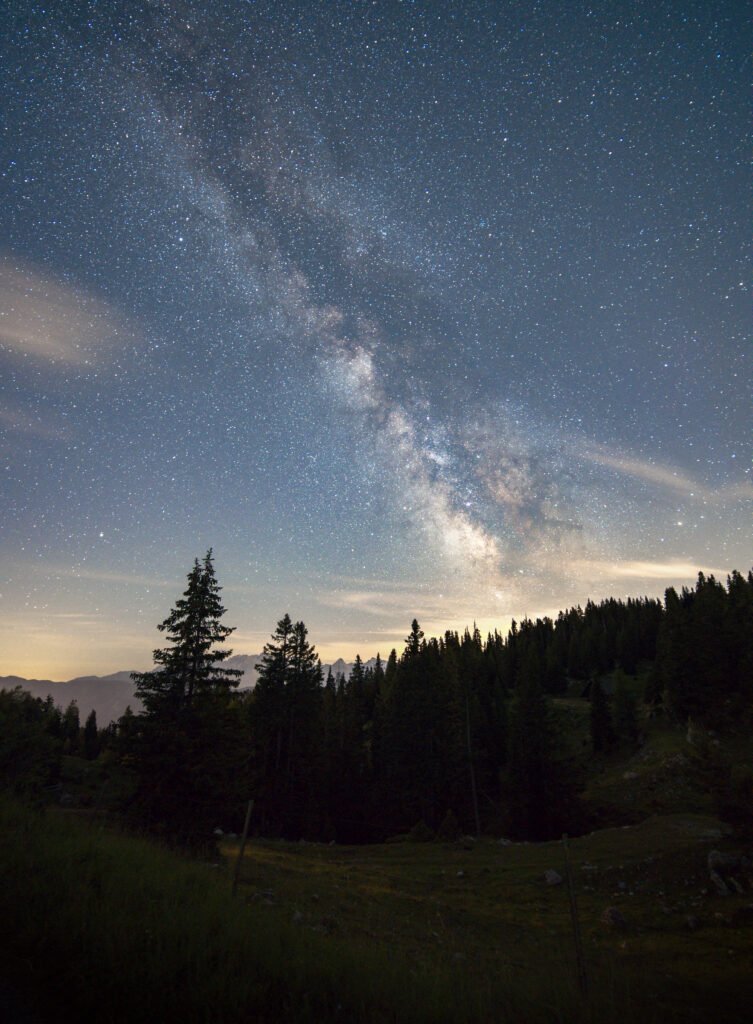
499,917
403,932
100,924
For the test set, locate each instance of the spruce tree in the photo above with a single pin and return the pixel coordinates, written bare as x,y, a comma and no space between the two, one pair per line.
413,641
187,746
91,737
189,668
71,726
287,718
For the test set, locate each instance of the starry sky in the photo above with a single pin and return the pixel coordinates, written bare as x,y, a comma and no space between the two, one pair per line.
404,308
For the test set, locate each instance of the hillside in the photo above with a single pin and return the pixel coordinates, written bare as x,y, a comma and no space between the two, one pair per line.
473,931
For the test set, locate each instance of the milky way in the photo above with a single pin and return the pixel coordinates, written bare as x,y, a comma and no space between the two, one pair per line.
435,309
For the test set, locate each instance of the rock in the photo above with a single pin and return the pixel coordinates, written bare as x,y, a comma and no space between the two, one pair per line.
297,917
614,919
693,923
724,869
265,896
710,833
629,776
552,877
461,874
218,832
505,842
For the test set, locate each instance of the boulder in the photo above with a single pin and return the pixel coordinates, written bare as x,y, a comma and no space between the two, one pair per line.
725,870
552,877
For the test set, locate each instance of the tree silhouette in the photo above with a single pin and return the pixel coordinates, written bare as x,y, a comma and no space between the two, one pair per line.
91,736
187,748
189,668
287,722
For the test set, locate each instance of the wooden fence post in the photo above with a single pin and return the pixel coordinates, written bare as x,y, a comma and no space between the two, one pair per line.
242,847
579,959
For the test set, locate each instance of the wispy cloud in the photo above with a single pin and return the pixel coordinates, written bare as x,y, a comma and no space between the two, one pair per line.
665,476
77,616
674,570
383,603
17,421
44,320
78,572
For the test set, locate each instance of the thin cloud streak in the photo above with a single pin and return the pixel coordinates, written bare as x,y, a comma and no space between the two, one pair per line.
103,576
641,570
49,322
666,476
17,421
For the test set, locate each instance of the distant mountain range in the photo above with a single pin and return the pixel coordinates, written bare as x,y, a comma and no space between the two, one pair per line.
107,695
110,695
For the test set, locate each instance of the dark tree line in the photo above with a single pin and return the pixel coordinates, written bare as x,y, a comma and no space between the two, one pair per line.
704,664
35,734
459,725
453,729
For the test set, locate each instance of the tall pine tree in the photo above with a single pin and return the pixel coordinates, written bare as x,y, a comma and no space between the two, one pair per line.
187,748
190,667
288,724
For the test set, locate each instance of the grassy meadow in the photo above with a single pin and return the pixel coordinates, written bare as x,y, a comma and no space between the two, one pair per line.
485,907
96,922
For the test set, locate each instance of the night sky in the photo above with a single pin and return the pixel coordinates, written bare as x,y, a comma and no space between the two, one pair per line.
436,309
